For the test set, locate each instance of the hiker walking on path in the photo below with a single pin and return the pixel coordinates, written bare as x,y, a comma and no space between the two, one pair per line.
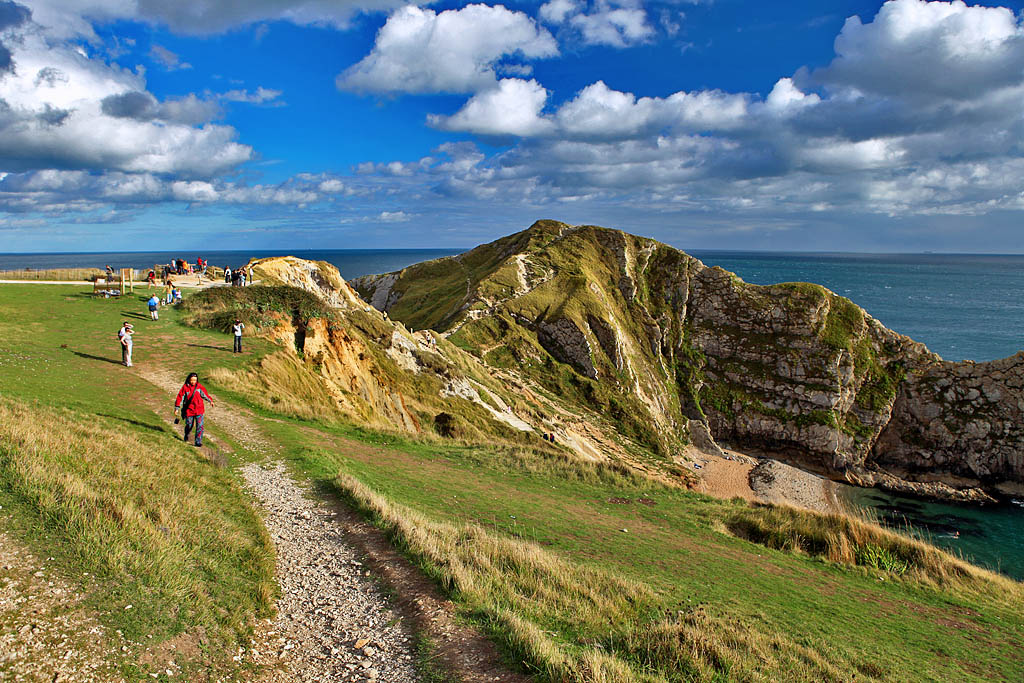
124,337
190,403
154,303
237,330
169,292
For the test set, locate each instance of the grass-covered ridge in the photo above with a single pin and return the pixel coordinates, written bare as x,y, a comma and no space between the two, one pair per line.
581,570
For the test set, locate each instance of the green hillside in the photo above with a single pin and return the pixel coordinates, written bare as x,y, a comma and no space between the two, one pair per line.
580,571
652,338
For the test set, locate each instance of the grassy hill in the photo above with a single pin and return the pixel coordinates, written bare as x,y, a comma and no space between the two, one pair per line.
652,338
580,570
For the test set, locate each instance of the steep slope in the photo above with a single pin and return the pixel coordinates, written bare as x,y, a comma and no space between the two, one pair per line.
342,357
653,338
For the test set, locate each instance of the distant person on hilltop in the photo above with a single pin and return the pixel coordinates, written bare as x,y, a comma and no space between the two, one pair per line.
236,329
169,292
248,274
151,279
190,403
227,275
124,338
154,304
110,271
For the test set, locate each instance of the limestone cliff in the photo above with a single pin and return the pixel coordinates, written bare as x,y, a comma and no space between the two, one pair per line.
653,338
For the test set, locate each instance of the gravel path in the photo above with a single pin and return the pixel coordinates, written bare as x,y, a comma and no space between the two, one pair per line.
45,634
333,623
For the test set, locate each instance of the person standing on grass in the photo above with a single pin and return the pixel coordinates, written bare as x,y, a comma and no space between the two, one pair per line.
154,303
124,337
190,403
169,292
237,330
151,279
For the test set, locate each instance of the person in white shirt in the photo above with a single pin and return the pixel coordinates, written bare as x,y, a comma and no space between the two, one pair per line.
237,330
124,336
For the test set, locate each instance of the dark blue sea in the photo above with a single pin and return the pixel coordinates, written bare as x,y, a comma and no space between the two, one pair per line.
961,306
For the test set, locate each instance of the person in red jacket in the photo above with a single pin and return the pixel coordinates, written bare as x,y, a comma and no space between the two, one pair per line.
190,403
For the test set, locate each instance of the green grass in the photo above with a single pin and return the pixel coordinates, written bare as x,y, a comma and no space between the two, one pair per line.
737,604
92,476
529,545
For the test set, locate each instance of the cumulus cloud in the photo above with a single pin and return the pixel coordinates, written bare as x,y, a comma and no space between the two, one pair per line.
933,49
919,111
12,15
67,110
617,23
422,51
513,107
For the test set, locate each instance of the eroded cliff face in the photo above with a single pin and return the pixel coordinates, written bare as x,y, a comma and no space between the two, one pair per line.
343,357
655,339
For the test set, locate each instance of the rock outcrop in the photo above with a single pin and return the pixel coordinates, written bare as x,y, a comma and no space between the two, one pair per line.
654,339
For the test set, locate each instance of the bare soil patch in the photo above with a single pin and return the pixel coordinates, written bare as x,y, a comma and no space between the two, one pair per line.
45,632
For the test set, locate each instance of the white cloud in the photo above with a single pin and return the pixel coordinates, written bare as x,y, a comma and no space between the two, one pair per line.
66,110
72,18
168,59
557,11
382,217
617,23
513,107
944,49
918,112
260,96
422,51
785,96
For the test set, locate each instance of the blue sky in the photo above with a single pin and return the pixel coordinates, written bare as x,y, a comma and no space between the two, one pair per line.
836,126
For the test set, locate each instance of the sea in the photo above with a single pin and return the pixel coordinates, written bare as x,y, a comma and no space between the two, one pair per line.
962,306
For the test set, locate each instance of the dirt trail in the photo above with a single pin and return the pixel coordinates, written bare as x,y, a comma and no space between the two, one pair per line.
328,560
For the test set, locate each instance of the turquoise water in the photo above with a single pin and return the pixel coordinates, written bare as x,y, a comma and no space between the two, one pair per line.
961,306
989,536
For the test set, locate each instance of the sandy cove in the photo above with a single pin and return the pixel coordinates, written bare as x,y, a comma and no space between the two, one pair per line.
737,475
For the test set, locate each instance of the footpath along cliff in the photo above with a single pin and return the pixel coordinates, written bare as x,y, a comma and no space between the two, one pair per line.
668,349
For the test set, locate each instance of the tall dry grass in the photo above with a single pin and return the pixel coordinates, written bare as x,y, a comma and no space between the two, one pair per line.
280,382
845,539
573,623
141,511
61,274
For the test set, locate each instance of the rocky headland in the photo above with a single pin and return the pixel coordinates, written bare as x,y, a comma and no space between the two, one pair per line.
624,350
659,340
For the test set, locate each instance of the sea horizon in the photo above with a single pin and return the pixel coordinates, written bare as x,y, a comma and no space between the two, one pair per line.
688,250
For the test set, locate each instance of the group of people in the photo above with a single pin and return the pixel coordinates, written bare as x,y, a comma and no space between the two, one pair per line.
238,277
